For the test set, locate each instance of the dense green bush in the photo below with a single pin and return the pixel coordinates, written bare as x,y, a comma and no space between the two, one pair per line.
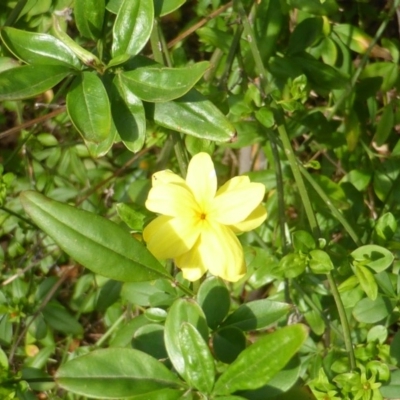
297,96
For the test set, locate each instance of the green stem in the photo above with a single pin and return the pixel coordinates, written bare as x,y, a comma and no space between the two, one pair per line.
249,33
251,38
315,308
336,213
184,289
281,205
110,330
14,14
297,176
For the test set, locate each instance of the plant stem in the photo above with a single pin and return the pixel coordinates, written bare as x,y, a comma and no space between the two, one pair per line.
297,175
336,213
279,117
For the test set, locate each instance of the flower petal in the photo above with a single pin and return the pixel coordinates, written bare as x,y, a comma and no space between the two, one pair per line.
202,179
191,264
165,177
172,199
217,250
168,237
236,200
254,220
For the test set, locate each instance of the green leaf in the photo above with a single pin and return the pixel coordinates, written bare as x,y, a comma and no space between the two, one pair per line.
38,48
320,262
132,27
30,80
353,37
257,314
128,115
367,281
101,148
385,227
228,343
395,348
293,264
132,215
372,311
150,340
194,115
304,35
358,178
266,117
214,298
159,84
60,319
84,55
322,76
376,257
385,125
303,241
89,108
260,362
199,363
95,242
392,389
164,7
316,7
388,71
183,310
89,15
115,373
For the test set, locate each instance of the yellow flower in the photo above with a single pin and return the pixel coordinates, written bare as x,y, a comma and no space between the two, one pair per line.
197,224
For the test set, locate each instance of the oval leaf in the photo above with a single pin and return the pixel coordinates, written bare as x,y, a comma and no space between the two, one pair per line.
128,115
155,84
132,27
101,148
30,80
214,298
257,314
372,311
376,257
260,362
199,363
95,242
89,15
115,373
367,281
89,108
182,311
61,320
194,115
38,48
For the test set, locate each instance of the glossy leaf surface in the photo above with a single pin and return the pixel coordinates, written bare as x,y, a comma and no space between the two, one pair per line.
257,314
128,115
30,80
182,311
38,48
115,373
260,362
95,242
89,15
194,115
199,363
89,108
132,27
159,84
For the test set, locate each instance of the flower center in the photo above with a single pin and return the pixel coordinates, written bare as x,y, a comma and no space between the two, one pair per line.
203,216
